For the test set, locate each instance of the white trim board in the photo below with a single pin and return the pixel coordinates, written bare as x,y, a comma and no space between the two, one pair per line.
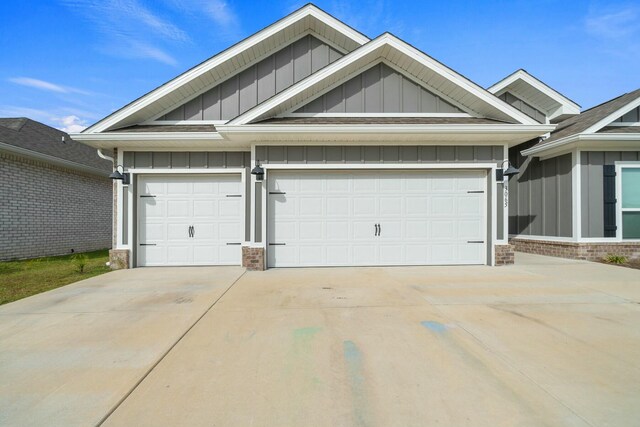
613,116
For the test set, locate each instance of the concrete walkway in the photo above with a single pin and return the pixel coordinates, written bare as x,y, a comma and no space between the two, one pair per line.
547,342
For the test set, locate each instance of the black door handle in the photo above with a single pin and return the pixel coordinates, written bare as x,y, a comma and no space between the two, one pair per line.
193,231
379,229
375,227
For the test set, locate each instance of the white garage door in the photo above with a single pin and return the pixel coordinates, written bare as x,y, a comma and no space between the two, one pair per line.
190,220
331,218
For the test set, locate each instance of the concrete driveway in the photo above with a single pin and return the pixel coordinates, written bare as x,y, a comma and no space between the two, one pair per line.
547,342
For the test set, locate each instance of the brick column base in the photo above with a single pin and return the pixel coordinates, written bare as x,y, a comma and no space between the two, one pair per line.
253,258
119,259
504,254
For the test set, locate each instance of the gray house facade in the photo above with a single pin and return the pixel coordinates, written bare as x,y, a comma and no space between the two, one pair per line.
309,144
55,192
576,195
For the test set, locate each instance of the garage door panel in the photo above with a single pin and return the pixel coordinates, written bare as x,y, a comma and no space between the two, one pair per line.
425,217
390,206
230,232
204,208
310,230
364,206
152,208
176,231
229,208
442,206
178,208
179,254
151,232
473,204
153,188
310,206
337,206
178,188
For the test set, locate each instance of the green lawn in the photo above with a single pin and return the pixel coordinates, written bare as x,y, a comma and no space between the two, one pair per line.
20,279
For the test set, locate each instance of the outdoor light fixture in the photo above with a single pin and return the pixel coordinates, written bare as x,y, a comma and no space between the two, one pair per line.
124,177
510,171
258,172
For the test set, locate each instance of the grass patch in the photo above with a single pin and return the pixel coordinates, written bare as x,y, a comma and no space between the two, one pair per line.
20,279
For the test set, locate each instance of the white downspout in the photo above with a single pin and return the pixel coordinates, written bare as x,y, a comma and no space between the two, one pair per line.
104,156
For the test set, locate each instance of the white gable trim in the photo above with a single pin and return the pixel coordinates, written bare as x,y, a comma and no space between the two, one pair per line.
593,141
375,115
613,116
542,87
384,42
308,10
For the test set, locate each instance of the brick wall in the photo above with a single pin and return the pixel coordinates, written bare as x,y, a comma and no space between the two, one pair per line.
253,258
573,250
49,210
505,254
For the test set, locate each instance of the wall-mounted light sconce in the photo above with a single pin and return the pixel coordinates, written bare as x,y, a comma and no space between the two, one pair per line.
124,177
258,171
510,171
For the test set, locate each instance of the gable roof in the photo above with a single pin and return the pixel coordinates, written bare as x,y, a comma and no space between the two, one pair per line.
28,137
589,122
425,70
218,68
539,94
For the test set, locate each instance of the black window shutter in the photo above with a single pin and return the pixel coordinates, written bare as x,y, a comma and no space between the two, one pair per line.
609,193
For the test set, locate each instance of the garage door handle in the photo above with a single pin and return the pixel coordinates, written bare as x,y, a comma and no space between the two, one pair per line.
229,244
475,241
475,191
277,244
147,244
234,195
277,192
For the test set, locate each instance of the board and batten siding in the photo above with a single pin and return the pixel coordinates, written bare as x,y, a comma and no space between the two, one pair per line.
383,155
380,89
540,196
259,82
188,160
592,187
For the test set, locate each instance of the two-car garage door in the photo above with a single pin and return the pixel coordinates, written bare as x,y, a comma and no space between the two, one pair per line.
363,218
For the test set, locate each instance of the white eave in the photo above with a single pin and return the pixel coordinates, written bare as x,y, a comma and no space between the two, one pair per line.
463,134
592,141
441,79
536,93
220,67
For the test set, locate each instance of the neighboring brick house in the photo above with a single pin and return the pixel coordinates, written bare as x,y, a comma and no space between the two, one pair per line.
56,197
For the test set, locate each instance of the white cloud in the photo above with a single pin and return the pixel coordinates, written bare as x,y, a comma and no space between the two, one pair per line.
44,85
218,11
131,29
615,24
70,124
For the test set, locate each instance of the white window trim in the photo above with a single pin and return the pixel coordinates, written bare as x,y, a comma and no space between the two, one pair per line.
619,208
489,167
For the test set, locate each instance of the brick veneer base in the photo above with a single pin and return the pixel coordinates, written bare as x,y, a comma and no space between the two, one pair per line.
253,258
504,254
119,259
573,250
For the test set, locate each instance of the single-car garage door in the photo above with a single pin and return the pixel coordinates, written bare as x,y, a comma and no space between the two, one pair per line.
333,218
190,220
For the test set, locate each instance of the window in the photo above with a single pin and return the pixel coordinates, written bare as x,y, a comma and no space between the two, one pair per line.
630,202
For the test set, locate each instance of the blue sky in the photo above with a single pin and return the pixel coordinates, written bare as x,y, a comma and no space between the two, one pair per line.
68,63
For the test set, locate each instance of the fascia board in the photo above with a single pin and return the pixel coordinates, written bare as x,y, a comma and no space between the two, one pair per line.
613,116
52,159
308,10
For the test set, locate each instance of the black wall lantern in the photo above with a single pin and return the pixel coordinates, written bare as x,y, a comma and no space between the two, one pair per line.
258,171
510,171
124,177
